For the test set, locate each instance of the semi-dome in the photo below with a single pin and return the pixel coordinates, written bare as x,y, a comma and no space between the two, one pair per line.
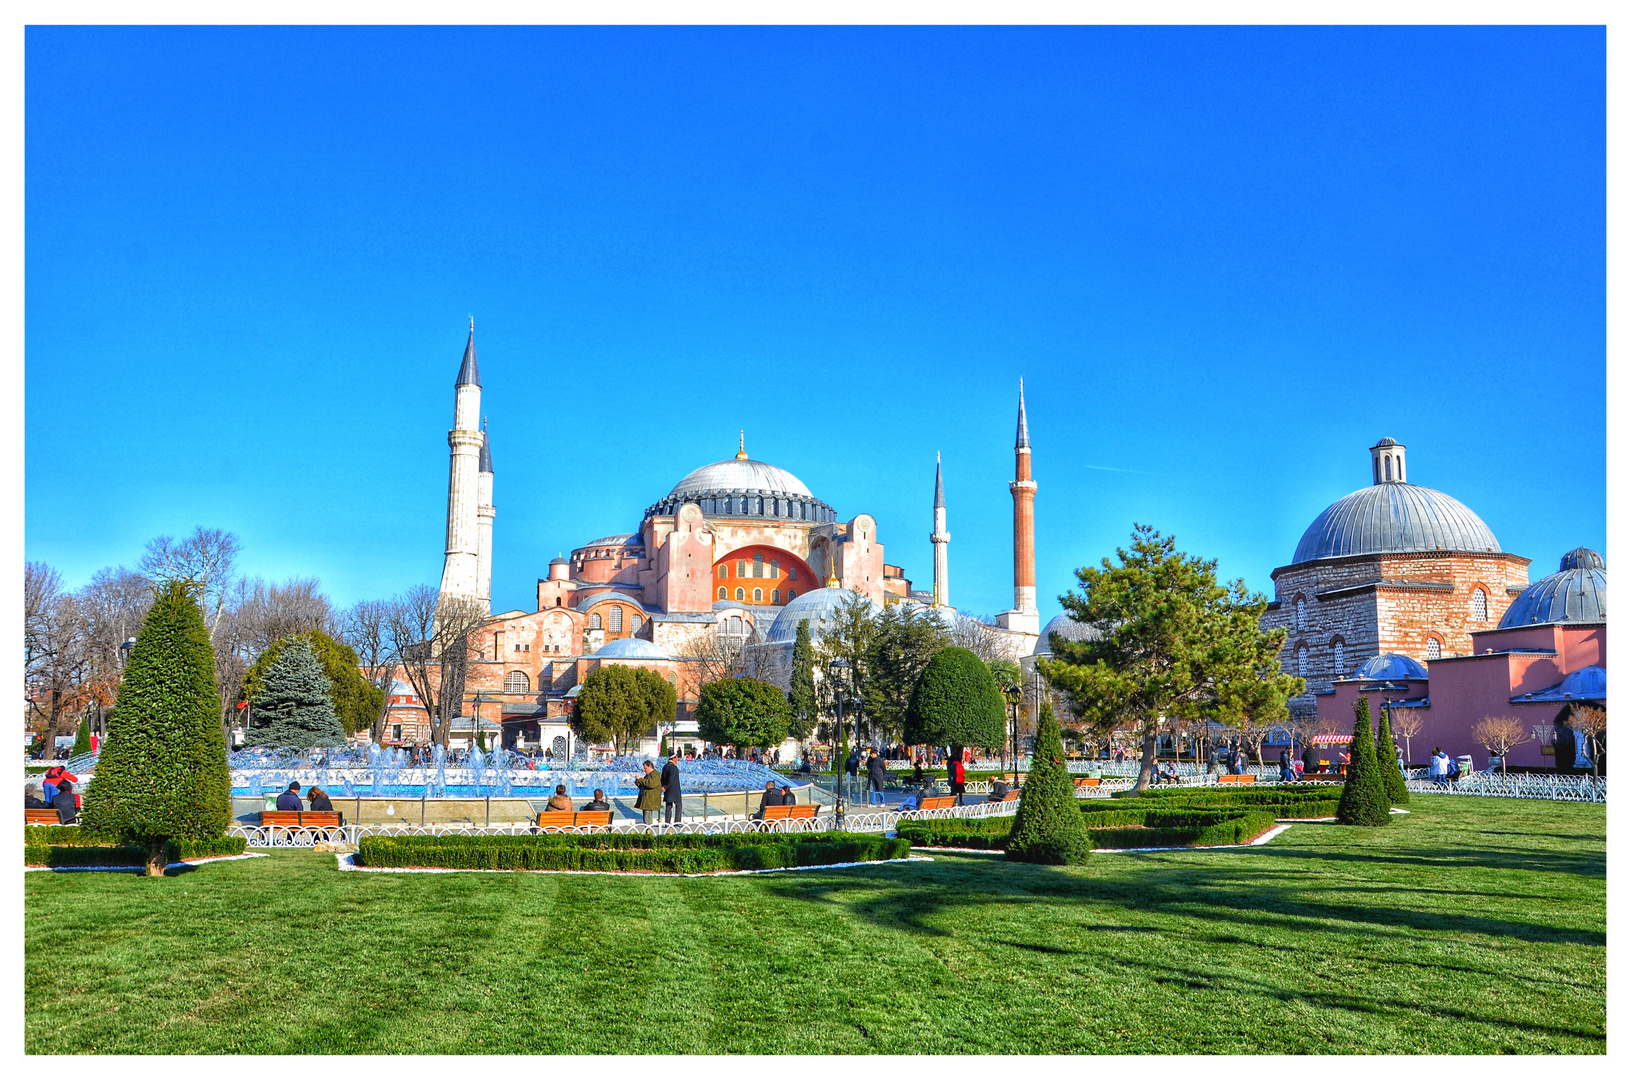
1390,518
1577,593
820,606
601,597
631,649
742,487
1391,667
1067,628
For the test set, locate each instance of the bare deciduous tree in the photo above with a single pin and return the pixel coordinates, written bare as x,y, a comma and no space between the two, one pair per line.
1500,735
206,559
366,628
432,639
1590,721
1407,724
55,658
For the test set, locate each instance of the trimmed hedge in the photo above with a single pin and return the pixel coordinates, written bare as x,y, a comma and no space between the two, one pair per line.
684,854
977,834
101,853
1325,805
1121,827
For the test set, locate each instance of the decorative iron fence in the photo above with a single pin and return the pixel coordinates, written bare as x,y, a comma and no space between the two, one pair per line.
1551,786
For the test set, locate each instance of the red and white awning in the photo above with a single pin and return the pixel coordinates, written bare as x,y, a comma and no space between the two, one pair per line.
1332,740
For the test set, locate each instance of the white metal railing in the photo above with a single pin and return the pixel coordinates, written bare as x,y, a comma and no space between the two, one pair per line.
1565,788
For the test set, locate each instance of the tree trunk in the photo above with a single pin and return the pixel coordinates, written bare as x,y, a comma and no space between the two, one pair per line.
1146,763
155,858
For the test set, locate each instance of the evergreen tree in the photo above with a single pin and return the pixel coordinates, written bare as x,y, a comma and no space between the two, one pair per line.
618,703
904,638
1049,827
82,740
357,702
802,693
956,703
742,712
1364,795
294,707
163,773
1387,761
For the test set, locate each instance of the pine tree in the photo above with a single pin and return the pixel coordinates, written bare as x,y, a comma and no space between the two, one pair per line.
294,707
1364,795
801,694
357,702
1387,761
82,741
1049,827
163,774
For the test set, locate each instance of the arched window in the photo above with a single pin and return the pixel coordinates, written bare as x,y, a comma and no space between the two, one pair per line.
741,570
616,621
516,682
759,565
1387,467
741,595
557,601
634,624
1302,661
775,596
758,596
1435,648
775,568
1480,605
792,594
722,589
792,573
1338,663
594,621
721,570
1302,613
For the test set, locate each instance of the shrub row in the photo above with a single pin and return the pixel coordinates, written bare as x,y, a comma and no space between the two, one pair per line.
1128,827
611,851
105,854
1224,796
1102,813
977,834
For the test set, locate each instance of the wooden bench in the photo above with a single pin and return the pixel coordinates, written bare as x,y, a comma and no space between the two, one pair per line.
1321,776
46,816
301,819
789,813
1012,796
1238,778
938,802
577,819
1087,782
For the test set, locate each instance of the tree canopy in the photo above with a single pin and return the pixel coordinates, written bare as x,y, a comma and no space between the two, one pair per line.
801,694
619,703
956,703
163,772
293,704
743,712
904,638
357,702
1172,645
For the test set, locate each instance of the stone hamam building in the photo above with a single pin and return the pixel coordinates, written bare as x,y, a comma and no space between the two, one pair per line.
738,547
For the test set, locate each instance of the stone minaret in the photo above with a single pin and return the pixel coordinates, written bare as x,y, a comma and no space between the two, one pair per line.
940,538
485,512
1024,617
461,572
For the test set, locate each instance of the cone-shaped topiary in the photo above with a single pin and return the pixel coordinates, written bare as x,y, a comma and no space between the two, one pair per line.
1387,761
82,741
163,774
1049,827
293,707
1364,795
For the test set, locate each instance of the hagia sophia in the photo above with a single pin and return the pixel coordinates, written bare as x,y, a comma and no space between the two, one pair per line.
1397,591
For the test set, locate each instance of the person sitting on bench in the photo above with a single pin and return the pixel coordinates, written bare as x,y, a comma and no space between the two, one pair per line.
32,800
771,797
290,800
999,790
66,806
317,799
559,801
598,802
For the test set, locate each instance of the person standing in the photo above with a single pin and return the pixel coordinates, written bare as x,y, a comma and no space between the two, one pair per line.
1311,759
876,778
671,789
852,783
955,775
650,800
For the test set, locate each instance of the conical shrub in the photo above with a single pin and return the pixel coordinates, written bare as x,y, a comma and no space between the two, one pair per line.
1387,761
163,772
1364,795
82,740
295,706
1049,826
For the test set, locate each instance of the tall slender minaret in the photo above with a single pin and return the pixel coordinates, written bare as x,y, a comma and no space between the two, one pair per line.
1023,618
461,569
940,538
485,512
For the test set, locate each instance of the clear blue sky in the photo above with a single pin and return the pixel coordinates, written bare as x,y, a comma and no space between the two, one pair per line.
1225,261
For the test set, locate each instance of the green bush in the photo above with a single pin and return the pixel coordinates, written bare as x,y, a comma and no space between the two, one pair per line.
357,702
82,739
743,712
683,854
48,851
1048,829
1313,803
1118,827
955,703
1387,762
1364,794
979,834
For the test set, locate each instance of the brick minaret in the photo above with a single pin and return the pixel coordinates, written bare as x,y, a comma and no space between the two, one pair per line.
461,569
485,512
940,538
1023,617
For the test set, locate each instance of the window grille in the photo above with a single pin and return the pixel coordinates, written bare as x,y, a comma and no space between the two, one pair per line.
740,594
1480,605
594,621
1302,661
722,590
1338,663
617,618
775,596
516,682
1434,649
758,596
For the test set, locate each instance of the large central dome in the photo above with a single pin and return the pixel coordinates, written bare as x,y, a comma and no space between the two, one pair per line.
741,474
744,488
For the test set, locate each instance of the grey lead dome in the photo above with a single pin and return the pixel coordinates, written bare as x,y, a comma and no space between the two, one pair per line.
1391,518
1578,593
741,475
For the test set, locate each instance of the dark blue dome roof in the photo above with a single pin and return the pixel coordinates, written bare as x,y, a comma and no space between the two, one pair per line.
1587,684
1391,666
1392,517
1578,593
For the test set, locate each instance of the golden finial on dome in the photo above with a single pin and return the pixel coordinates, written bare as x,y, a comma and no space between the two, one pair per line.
741,445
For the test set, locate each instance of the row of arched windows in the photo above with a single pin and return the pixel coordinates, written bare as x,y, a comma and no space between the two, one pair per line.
757,569
758,595
614,621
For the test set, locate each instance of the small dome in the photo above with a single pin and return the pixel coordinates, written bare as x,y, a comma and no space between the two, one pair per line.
1391,667
1067,628
1581,558
560,560
631,649
817,605
1578,593
1385,441
1587,684
1392,518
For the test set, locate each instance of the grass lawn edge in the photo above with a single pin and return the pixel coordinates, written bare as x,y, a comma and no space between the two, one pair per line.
347,861
168,866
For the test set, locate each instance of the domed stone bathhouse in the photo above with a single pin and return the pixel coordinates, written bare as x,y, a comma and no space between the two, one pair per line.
1391,568
1547,656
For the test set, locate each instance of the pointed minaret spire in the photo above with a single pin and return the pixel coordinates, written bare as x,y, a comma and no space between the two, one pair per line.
469,487
940,538
469,374
1024,617
1023,437
742,445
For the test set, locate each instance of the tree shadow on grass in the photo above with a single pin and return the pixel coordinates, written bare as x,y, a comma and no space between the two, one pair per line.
1593,864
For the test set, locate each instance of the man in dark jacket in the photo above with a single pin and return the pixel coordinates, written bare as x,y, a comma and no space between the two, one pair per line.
32,800
598,802
852,782
66,806
671,789
1311,760
290,800
876,777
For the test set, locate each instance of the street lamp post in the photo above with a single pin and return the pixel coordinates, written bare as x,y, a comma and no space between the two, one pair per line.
1014,694
838,668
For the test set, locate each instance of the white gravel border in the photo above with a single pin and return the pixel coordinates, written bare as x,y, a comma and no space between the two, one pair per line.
347,861
128,869
1265,838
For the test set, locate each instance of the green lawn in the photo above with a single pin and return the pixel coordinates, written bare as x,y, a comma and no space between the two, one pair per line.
1470,926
